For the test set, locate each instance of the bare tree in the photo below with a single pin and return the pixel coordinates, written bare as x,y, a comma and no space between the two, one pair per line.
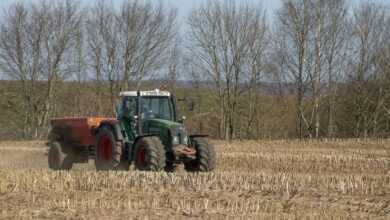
174,65
146,33
310,44
223,35
129,45
369,37
335,47
258,44
381,114
294,29
328,46
35,42
103,44
80,70
316,78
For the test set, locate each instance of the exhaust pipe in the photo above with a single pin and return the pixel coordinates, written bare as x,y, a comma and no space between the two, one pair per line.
139,113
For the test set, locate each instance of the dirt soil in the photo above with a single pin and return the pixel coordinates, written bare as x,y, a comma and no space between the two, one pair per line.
345,179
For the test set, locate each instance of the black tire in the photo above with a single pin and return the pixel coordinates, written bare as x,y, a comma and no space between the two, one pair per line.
149,154
108,151
205,156
170,167
58,160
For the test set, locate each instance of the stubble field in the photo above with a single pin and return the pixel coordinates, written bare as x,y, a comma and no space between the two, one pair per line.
253,180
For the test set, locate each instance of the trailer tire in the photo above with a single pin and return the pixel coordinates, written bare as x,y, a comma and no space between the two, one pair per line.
58,160
149,154
108,151
205,156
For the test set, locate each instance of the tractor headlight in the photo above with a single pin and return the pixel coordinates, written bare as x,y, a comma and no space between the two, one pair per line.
175,140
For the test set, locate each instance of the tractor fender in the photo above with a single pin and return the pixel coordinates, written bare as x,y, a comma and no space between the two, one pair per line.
131,152
115,127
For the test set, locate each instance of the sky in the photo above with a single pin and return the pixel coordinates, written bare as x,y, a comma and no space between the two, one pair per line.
184,6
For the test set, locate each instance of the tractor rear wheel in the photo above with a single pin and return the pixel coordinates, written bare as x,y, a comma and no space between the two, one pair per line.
108,151
149,154
58,160
205,156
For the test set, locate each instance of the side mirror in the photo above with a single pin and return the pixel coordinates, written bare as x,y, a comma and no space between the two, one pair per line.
182,119
191,105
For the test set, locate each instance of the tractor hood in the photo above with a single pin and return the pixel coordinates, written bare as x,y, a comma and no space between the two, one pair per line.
169,131
162,123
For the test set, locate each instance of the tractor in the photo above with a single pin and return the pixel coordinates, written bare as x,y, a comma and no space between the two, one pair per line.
146,133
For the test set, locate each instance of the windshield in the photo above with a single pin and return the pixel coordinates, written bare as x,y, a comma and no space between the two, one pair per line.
157,107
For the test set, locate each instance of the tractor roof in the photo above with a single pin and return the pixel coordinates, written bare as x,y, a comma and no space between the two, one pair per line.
155,92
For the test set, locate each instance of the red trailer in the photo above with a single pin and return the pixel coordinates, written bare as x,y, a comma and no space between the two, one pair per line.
72,140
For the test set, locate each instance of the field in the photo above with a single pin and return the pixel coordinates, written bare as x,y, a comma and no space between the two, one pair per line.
253,180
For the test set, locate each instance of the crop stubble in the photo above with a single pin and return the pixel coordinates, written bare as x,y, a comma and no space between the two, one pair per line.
266,179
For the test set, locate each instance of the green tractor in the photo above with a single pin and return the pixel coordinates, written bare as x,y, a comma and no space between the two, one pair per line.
147,132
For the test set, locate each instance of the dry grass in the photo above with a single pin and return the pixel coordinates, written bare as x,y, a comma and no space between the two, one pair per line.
253,180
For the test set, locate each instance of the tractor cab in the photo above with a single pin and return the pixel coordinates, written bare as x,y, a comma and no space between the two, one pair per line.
151,113
147,105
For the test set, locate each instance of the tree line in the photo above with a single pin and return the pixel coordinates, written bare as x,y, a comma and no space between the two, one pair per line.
311,69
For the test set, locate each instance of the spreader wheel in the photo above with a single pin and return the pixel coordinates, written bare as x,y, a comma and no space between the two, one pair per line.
108,151
57,159
149,154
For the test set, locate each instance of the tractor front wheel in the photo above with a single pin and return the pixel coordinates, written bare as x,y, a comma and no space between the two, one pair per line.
108,151
57,159
205,156
149,154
